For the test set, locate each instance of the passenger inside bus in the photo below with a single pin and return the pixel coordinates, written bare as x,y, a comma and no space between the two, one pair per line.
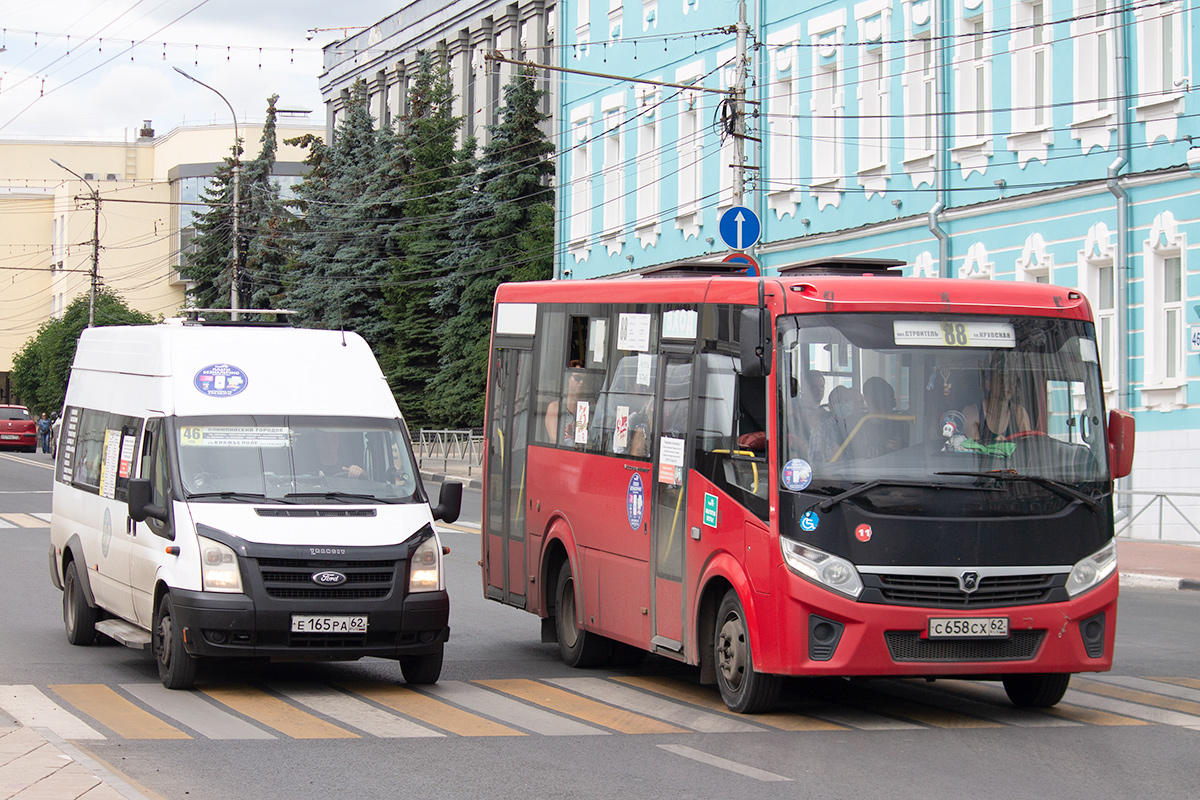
567,422
806,412
1002,413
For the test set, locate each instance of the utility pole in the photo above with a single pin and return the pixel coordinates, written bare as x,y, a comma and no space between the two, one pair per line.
739,109
95,243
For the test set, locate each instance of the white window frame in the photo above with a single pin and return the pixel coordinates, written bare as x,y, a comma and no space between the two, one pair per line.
1098,282
1094,120
648,197
827,33
689,208
784,193
873,18
1032,50
976,266
920,83
612,231
972,69
1161,69
1165,314
1035,264
579,224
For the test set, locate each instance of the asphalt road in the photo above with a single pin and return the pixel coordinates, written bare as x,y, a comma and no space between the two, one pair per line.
501,724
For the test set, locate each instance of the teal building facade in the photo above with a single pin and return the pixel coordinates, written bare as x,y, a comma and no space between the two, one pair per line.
1029,140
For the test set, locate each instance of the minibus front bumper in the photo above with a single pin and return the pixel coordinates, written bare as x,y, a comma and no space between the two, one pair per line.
236,625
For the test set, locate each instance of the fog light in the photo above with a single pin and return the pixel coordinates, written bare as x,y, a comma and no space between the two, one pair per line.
823,637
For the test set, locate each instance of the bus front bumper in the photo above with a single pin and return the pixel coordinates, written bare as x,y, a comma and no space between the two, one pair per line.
827,634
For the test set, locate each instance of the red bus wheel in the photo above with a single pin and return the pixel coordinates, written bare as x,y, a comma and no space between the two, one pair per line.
578,648
742,688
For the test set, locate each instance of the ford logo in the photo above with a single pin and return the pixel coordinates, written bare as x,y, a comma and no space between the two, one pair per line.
328,578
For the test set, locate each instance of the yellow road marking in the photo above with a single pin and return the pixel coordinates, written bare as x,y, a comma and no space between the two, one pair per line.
434,712
1136,696
706,698
24,520
580,707
1090,716
275,713
110,709
1191,683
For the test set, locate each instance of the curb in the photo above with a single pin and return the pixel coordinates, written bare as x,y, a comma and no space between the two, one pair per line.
1134,580
437,477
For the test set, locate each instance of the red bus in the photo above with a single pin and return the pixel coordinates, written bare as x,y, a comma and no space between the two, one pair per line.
818,473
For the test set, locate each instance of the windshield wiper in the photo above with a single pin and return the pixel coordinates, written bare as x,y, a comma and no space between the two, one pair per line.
1059,488
825,505
342,496
230,495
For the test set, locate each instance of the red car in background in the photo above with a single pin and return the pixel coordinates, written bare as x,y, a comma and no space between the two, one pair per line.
17,429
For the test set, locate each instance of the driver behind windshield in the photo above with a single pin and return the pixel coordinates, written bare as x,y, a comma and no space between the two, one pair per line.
332,462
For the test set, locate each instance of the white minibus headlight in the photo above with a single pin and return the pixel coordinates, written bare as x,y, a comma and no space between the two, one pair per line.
219,567
425,568
1093,570
822,568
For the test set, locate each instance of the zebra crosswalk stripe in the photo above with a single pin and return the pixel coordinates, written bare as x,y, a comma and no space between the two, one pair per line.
191,710
32,708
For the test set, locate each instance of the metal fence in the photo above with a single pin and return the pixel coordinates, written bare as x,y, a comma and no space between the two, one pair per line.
462,449
1160,501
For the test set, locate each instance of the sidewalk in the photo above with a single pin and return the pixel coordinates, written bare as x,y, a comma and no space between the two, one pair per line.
1157,565
36,765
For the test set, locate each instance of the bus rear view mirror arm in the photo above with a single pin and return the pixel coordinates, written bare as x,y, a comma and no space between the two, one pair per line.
140,507
755,341
449,502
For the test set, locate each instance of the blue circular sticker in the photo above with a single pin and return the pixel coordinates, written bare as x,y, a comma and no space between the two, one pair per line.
220,380
809,521
635,501
797,474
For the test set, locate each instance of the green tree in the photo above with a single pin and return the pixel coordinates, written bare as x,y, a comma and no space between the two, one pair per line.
262,227
428,166
503,231
42,366
341,263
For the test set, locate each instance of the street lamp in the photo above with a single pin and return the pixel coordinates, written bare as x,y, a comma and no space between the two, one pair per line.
95,242
234,297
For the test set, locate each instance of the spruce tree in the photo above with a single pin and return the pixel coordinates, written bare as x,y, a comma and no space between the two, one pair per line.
340,267
503,231
428,166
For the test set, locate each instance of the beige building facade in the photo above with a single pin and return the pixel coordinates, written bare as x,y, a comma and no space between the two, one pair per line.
148,188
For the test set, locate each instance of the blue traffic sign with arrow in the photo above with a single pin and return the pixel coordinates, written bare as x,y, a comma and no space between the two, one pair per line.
739,228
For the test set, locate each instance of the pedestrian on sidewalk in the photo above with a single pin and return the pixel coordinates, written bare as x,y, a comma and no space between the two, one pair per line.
43,431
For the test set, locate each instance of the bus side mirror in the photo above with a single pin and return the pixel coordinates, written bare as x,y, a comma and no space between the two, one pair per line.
756,341
1120,442
138,495
449,502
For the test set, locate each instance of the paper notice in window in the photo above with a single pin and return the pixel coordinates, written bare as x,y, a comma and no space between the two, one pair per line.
670,460
621,430
582,412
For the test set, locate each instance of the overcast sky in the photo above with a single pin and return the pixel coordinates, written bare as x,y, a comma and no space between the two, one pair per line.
67,69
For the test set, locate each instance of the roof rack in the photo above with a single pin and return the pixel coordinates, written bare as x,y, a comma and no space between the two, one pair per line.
194,316
847,265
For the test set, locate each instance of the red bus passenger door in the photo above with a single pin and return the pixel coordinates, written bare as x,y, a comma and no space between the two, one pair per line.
669,509
508,429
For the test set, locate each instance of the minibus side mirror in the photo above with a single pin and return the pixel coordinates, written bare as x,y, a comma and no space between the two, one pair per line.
1120,442
449,502
755,341
139,493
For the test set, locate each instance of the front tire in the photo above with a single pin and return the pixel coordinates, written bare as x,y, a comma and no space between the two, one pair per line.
176,667
79,618
423,669
1037,690
743,689
578,648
